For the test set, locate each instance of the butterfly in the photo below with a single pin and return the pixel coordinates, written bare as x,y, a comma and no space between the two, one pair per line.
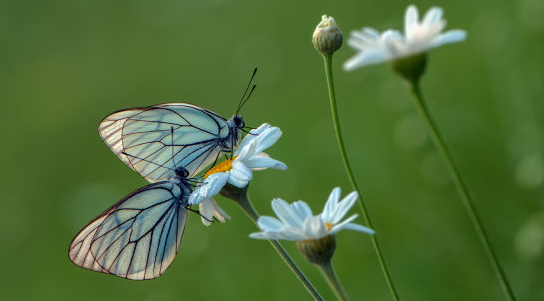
167,144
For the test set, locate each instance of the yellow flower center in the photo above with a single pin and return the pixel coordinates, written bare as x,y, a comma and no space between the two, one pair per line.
329,226
221,167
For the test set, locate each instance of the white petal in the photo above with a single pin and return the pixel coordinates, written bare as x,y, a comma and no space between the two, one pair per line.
206,211
366,58
411,17
259,163
247,151
262,235
314,227
451,36
253,134
211,186
337,227
359,228
343,207
268,223
302,210
240,174
285,213
330,206
433,15
260,129
268,138
219,213
209,209
293,234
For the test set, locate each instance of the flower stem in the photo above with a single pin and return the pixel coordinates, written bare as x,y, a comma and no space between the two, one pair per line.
239,195
328,271
327,58
466,197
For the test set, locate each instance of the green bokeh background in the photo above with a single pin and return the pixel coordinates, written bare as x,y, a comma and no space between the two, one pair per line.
64,65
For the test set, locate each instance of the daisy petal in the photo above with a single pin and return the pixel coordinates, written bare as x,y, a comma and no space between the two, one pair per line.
253,134
340,226
302,209
451,36
343,207
433,15
268,138
285,213
329,210
411,17
314,227
267,223
211,186
359,228
258,163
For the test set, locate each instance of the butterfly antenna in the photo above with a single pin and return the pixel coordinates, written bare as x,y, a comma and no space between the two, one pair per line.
244,99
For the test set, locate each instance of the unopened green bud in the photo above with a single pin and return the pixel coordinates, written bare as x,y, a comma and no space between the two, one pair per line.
318,251
327,37
411,67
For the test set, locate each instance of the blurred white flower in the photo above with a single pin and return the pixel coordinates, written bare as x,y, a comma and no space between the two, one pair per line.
209,209
418,37
297,223
238,170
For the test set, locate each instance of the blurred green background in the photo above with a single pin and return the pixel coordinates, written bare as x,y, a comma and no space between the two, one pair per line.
64,65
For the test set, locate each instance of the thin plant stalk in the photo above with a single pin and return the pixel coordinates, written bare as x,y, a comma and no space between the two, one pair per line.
327,58
241,198
328,271
462,188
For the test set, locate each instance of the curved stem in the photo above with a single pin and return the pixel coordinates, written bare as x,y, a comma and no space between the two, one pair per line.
239,195
461,186
377,247
328,270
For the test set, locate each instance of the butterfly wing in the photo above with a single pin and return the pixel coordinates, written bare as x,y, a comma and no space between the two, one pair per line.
156,140
138,237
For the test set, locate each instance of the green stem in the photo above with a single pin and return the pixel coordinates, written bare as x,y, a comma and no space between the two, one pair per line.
327,58
239,195
462,188
328,271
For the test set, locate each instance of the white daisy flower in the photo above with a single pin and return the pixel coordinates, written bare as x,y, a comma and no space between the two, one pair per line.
238,171
297,223
418,37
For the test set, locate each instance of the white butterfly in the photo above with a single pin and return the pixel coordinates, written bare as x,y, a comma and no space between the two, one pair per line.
167,144
138,237
155,140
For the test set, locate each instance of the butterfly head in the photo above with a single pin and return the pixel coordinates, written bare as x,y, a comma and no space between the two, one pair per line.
238,122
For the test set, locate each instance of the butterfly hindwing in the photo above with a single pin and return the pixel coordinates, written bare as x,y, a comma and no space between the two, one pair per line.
138,237
155,140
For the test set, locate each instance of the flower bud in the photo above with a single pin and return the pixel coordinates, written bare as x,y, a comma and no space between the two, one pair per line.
327,37
318,251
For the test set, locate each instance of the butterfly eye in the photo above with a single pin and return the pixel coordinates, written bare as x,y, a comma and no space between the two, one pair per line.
182,172
239,122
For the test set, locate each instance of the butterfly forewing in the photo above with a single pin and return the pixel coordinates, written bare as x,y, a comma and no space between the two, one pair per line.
138,237
156,140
